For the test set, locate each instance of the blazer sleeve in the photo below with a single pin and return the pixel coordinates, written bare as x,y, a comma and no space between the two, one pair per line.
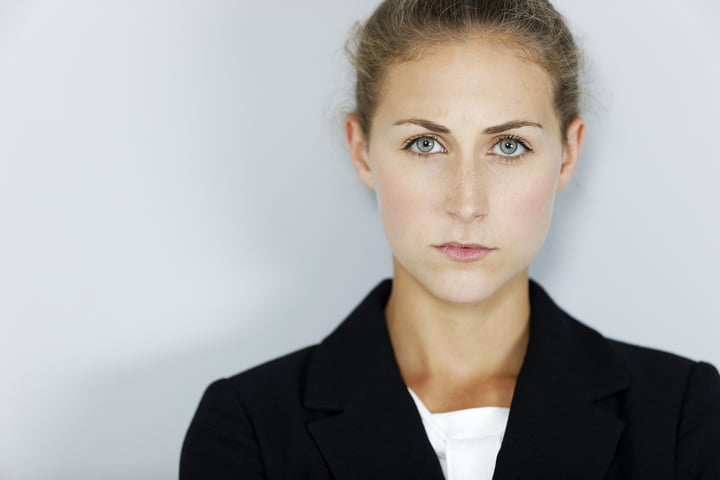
220,443
698,448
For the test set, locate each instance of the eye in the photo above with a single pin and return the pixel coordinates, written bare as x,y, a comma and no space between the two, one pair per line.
425,145
510,147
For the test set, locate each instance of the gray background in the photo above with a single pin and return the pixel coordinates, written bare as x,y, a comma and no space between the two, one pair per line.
177,204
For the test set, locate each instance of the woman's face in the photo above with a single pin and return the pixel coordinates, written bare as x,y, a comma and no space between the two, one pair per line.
465,155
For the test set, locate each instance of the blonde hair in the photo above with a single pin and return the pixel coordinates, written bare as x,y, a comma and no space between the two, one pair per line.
402,30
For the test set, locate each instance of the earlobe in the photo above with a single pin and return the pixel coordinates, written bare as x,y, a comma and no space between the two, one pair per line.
571,152
357,144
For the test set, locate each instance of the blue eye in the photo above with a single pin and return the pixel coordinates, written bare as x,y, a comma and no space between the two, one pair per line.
510,147
425,145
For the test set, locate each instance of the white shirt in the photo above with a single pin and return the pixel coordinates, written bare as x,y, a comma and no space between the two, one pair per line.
466,441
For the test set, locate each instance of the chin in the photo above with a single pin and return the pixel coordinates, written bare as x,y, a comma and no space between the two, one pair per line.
469,287
466,290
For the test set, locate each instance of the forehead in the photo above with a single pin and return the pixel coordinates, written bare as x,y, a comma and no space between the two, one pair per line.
468,81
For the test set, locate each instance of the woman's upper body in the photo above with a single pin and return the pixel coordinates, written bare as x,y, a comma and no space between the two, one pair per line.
584,407
466,126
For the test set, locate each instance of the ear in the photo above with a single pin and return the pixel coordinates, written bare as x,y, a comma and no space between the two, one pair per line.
571,152
358,146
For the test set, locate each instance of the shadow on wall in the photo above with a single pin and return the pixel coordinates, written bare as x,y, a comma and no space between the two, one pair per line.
129,422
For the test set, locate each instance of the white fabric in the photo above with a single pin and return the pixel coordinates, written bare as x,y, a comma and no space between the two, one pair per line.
466,441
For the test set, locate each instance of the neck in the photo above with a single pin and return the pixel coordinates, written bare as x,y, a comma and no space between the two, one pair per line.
462,343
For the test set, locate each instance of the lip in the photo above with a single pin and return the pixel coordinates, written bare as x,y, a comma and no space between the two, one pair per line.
464,252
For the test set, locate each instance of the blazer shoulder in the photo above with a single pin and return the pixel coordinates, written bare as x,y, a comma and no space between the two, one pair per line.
240,416
276,378
666,374
648,361
282,368
677,395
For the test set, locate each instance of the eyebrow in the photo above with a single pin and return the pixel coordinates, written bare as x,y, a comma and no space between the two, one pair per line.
427,124
504,127
434,127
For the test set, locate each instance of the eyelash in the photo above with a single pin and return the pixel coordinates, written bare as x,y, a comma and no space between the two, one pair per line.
520,141
505,158
412,140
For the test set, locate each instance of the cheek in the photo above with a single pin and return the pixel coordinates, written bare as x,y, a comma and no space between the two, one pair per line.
405,203
532,206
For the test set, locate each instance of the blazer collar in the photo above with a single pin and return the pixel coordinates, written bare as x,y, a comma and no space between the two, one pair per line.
371,428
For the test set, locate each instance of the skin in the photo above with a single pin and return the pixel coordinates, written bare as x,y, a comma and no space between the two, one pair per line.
441,312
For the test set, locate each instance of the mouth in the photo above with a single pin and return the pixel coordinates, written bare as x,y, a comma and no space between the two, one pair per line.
464,252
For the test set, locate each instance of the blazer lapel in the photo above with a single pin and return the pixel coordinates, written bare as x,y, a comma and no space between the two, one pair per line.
367,425
556,428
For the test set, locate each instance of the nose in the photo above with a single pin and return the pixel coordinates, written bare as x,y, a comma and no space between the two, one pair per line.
467,196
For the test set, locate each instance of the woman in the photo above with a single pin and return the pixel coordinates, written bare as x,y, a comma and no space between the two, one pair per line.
466,125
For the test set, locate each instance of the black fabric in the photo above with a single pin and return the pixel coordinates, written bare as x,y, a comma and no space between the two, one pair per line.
585,407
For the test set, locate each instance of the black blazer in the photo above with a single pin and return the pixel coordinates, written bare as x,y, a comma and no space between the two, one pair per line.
585,407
